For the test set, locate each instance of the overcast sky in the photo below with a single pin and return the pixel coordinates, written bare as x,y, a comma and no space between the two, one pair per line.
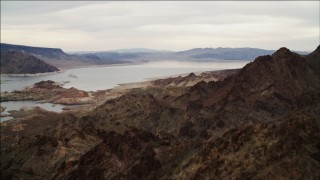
164,25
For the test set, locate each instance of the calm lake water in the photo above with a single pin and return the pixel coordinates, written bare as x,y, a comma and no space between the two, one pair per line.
17,105
106,77
99,78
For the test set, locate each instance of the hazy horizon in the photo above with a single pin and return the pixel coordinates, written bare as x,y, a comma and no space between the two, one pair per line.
143,48
161,25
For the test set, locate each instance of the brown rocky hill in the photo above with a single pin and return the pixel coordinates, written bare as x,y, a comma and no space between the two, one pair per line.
256,123
261,122
268,87
16,62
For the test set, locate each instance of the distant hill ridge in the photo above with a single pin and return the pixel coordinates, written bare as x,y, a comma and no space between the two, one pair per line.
18,62
59,58
227,53
42,51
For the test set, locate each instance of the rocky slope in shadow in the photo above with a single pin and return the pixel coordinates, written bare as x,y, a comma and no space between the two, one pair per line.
269,87
261,122
16,62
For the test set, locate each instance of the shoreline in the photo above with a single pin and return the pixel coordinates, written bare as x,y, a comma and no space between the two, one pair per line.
98,97
64,69
32,75
100,65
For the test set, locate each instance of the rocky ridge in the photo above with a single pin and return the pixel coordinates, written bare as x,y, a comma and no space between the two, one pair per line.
192,79
260,122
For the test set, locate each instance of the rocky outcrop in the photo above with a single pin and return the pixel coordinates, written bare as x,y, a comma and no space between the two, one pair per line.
47,85
16,62
72,96
192,79
49,91
40,91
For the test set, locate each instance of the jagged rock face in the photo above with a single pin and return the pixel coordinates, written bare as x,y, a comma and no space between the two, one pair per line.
117,154
283,73
263,151
269,86
15,62
259,123
286,148
41,145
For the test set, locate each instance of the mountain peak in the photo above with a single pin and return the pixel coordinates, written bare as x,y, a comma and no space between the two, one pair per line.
283,50
318,49
282,53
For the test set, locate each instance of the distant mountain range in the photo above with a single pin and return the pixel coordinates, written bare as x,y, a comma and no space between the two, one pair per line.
131,50
54,53
197,54
61,59
57,57
225,53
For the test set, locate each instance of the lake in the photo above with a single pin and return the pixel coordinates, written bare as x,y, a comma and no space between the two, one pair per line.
17,105
106,77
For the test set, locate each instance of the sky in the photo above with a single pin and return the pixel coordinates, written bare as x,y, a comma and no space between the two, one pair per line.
163,25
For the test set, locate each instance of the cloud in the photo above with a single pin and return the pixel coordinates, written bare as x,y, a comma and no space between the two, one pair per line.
161,24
